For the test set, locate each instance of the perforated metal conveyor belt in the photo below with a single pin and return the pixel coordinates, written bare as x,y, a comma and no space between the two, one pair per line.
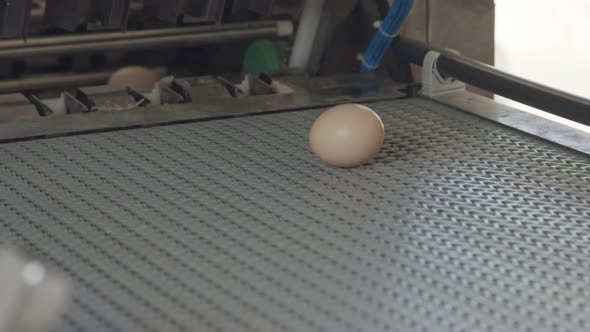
232,225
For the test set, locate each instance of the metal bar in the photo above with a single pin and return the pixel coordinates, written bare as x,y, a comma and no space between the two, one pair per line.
183,40
223,32
494,80
53,81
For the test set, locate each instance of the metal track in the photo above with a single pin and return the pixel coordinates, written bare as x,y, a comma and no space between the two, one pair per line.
460,224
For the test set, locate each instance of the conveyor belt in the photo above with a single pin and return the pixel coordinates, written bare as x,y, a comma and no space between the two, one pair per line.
232,225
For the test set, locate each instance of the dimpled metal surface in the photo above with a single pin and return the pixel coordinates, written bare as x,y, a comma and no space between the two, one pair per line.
460,224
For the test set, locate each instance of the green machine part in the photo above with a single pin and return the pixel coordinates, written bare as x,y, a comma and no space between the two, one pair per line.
264,55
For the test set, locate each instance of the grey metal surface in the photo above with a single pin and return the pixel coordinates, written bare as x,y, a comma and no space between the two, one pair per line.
16,107
559,133
460,224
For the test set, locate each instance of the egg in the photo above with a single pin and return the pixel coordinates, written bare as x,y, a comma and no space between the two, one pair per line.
138,78
347,135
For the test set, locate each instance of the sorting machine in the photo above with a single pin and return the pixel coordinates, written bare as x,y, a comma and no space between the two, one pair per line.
199,207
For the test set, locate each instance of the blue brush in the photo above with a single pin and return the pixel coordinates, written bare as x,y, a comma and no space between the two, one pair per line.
387,30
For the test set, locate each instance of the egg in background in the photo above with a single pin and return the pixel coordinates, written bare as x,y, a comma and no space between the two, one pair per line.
140,79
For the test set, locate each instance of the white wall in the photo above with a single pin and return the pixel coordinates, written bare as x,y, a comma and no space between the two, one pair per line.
547,41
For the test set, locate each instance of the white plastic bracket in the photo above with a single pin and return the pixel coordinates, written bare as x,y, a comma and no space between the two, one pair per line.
433,82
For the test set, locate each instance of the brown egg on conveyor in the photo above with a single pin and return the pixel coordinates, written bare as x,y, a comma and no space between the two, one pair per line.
138,78
347,135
